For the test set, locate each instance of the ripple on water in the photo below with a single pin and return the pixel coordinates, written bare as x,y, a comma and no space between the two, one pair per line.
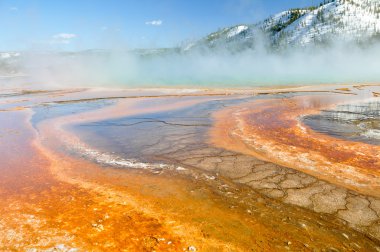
358,122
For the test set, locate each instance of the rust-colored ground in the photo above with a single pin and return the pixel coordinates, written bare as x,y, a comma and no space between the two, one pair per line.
52,201
271,130
40,211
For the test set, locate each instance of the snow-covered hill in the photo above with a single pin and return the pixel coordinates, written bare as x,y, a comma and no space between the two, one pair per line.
346,20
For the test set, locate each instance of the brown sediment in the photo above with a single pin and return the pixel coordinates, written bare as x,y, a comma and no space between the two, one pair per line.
200,220
271,130
345,89
12,109
46,202
58,199
120,218
61,200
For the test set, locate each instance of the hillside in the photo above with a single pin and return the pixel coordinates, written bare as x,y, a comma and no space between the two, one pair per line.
345,20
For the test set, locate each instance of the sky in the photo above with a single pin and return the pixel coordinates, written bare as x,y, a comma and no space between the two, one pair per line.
73,25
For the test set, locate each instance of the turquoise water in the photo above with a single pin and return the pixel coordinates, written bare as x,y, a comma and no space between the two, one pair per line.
209,69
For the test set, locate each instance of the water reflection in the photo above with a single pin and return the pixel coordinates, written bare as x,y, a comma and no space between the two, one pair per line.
355,122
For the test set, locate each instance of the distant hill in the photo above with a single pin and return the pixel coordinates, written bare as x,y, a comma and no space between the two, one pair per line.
345,20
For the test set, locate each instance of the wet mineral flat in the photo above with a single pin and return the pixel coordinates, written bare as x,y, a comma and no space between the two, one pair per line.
163,170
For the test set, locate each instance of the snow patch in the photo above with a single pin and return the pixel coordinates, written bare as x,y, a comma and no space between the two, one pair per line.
236,30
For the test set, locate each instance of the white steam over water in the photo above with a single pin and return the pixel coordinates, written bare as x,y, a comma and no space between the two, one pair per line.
204,67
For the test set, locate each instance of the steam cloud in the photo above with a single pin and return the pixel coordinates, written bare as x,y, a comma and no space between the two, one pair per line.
340,62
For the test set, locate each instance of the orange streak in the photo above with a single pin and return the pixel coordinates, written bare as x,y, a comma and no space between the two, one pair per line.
271,130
